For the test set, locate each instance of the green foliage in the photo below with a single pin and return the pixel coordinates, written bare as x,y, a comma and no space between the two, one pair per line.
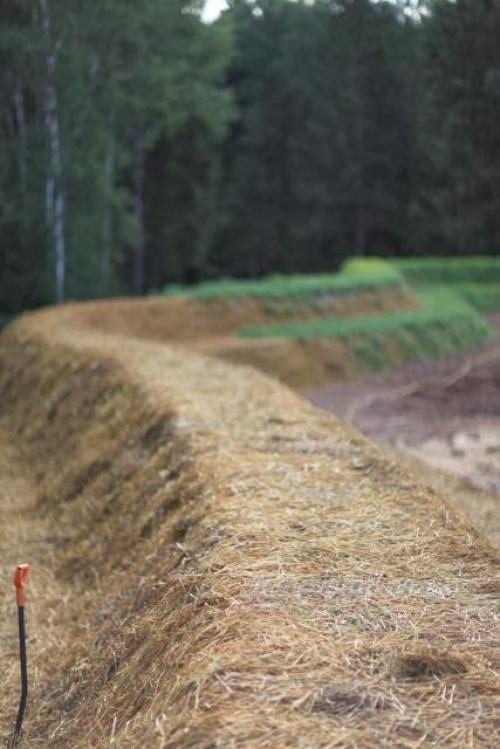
93,97
455,205
319,163
281,139
445,324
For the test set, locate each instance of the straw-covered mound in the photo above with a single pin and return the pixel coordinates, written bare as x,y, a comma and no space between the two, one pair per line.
186,319
212,327
217,564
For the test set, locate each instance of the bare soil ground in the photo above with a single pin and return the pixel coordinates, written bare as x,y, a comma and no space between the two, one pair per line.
444,413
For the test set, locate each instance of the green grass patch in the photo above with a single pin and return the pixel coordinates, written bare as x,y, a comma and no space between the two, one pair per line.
475,278
453,291
484,297
370,267
284,287
448,270
445,324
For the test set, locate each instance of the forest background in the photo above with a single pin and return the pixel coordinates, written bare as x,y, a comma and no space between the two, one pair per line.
141,146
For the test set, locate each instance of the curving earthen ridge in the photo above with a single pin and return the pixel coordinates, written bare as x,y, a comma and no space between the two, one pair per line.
218,564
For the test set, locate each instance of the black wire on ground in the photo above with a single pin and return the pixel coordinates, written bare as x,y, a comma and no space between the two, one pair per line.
16,735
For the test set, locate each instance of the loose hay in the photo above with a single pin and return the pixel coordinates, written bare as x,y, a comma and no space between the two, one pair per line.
217,564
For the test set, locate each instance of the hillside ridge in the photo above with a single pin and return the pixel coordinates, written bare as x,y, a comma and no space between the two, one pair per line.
216,563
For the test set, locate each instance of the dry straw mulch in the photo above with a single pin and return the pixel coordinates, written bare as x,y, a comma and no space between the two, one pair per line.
217,564
210,327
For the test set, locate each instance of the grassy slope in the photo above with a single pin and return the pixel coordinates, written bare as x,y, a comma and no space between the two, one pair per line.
448,321
475,279
448,270
445,324
484,297
426,320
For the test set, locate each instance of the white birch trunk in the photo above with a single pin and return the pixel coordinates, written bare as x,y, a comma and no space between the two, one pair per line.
54,187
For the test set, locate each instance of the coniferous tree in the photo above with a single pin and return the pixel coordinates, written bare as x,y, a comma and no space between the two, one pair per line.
319,164
356,127
461,140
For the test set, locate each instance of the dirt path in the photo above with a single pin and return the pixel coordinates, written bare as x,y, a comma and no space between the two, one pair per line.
445,413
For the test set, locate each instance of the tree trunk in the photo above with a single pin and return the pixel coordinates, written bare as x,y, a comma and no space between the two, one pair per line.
21,135
55,199
138,260
207,224
360,147
109,170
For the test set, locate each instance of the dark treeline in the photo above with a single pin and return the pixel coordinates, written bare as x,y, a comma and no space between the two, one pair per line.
141,146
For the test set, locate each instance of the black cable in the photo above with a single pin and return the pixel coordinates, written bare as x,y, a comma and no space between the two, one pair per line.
14,739
24,673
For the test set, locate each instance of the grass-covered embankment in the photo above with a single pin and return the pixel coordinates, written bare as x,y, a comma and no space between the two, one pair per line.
375,313
484,297
475,278
297,297
479,269
445,324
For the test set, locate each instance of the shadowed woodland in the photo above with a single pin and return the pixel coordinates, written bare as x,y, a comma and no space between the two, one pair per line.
142,147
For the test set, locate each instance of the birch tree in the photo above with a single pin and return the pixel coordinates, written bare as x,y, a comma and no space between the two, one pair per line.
54,183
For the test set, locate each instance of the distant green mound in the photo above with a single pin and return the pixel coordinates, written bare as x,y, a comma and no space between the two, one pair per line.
475,278
445,324
449,295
